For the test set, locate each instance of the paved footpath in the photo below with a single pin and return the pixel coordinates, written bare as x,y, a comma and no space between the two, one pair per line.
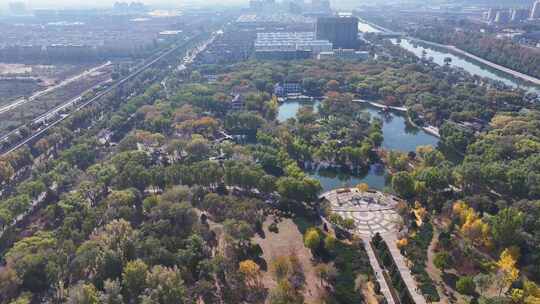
378,271
403,269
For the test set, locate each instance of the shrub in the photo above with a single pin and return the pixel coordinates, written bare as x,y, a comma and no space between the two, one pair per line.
273,228
465,285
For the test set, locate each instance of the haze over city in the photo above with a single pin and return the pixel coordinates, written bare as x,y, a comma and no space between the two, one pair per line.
161,3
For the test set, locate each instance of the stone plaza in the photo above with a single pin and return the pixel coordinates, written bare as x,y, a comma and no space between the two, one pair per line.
372,211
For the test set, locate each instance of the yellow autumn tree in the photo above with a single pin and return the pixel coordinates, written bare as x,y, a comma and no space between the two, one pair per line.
531,292
507,267
420,213
251,271
280,267
402,243
501,121
363,187
460,209
472,226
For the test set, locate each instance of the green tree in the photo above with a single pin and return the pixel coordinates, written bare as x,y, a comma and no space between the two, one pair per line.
25,298
112,292
31,259
9,284
134,278
32,188
301,190
312,239
403,184
165,285
442,260
506,227
465,285
83,294
284,293
6,171
330,243
483,282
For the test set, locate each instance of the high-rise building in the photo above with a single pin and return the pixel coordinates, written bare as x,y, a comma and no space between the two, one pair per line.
502,16
519,14
17,8
491,13
535,12
341,31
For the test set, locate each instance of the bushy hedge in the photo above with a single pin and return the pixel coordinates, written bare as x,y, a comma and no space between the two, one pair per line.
382,250
416,251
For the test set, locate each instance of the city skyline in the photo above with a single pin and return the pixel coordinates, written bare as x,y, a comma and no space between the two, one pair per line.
59,4
33,4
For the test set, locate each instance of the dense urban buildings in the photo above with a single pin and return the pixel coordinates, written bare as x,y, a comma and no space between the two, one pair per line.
341,31
512,14
229,46
18,8
68,35
535,12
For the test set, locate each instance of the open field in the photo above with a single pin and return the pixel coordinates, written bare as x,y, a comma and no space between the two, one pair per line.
14,117
22,80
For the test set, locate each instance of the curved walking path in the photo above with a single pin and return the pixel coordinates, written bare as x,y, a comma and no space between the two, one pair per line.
434,272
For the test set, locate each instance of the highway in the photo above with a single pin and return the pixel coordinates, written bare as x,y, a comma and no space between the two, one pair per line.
139,70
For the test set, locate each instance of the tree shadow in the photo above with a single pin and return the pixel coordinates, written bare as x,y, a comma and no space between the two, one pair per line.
450,279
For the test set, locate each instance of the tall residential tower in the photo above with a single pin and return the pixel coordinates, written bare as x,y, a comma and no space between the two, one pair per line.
341,31
535,12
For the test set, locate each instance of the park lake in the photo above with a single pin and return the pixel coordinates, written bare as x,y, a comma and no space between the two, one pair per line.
398,135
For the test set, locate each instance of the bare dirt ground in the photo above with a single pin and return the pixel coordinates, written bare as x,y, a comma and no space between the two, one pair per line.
289,239
28,111
8,68
22,80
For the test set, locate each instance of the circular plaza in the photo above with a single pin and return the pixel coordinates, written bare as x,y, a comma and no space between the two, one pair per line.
372,211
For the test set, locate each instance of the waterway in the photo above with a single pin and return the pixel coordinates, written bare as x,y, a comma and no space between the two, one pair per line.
470,65
398,135
366,28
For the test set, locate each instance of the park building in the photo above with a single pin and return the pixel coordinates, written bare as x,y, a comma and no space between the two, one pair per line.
286,88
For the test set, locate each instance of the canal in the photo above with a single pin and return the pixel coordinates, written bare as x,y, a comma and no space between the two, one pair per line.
470,65
398,135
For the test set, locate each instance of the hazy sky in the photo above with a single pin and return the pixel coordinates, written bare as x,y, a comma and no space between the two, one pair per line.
160,3
105,3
